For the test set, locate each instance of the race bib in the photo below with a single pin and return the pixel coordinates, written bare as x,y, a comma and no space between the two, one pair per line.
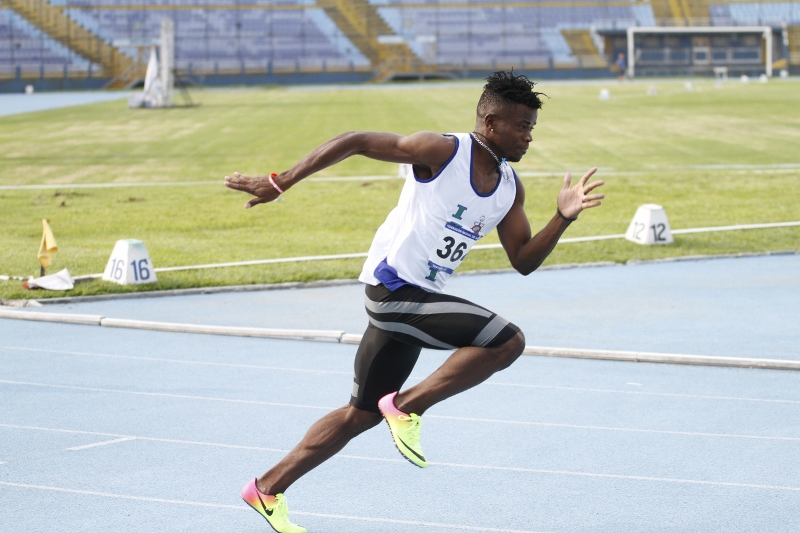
451,247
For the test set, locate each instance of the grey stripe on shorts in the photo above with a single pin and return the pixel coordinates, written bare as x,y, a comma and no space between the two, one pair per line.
399,327
491,330
418,308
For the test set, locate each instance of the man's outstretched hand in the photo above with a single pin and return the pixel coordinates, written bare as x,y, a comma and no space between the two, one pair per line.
260,187
572,200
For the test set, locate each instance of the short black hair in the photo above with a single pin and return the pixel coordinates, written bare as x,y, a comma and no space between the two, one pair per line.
503,88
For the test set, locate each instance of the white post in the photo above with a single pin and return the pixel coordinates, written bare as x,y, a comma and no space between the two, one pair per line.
631,59
768,46
167,60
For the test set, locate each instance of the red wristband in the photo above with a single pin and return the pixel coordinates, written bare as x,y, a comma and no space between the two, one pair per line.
272,181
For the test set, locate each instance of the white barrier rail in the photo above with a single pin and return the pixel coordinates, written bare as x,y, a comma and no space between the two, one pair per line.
352,338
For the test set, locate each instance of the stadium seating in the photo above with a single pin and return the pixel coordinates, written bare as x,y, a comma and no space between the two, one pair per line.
24,47
245,36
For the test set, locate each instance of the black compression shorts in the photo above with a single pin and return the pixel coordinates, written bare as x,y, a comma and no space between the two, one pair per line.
403,322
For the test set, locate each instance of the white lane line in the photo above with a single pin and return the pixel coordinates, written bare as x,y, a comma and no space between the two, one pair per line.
243,507
153,439
450,465
166,395
330,408
516,423
417,378
623,476
642,393
179,361
614,428
104,443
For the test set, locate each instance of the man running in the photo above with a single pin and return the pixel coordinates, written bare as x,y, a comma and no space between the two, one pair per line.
462,188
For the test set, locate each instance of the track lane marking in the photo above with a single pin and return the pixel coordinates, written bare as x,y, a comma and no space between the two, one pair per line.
152,439
521,385
624,476
642,393
166,395
245,508
179,361
446,464
443,417
103,443
417,378
470,419
614,428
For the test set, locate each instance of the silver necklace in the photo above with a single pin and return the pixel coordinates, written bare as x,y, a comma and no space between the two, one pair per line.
497,159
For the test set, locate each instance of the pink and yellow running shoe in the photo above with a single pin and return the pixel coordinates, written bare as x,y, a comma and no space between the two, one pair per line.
273,508
405,430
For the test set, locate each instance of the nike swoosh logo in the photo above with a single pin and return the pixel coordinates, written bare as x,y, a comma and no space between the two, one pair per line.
268,511
411,450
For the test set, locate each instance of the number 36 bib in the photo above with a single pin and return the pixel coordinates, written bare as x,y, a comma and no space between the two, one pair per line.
451,247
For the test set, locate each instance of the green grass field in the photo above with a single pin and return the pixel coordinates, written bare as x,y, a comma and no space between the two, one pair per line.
648,148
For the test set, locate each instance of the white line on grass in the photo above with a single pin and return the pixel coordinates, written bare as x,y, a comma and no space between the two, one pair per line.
780,167
243,507
476,247
735,167
180,361
260,262
107,185
119,185
104,443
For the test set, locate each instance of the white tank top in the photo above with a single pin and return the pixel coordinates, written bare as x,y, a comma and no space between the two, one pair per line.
436,221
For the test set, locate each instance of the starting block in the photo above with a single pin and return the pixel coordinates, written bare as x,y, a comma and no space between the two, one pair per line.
650,226
130,264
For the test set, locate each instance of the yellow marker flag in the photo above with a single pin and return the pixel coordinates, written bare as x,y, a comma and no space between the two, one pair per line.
48,248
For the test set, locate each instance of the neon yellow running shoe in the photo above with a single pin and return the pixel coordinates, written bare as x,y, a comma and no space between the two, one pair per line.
405,430
273,508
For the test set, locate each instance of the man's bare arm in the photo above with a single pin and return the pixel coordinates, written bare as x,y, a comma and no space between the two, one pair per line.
425,148
525,252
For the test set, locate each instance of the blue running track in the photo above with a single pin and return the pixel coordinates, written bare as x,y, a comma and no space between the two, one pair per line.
105,429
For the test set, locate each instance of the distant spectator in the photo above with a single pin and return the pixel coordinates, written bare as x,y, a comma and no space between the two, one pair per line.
622,66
